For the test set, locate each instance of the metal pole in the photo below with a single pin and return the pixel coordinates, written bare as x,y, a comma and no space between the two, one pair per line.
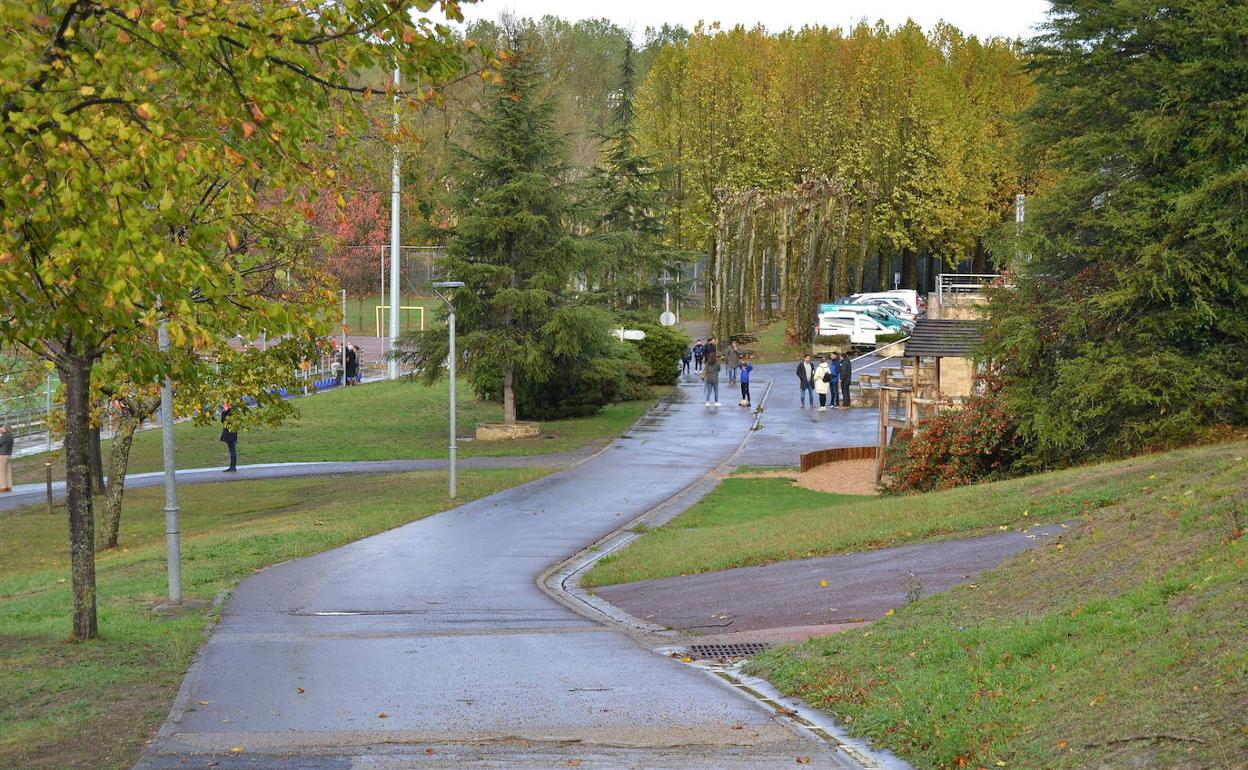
394,235
343,352
47,420
451,323
173,547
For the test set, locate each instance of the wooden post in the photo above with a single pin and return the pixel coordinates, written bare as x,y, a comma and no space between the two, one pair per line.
938,396
48,466
879,455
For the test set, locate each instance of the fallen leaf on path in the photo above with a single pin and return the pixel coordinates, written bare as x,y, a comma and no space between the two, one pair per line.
823,583
783,712
236,750
686,659
803,760
429,751
204,702
299,690
383,715
574,762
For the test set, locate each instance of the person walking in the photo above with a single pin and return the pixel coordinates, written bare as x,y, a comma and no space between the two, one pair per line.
353,365
710,376
230,437
732,360
806,380
685,358
847,371
6,459
697,356
746,368
710,351
823,383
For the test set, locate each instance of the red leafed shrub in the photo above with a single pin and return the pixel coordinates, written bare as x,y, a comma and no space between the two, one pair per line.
955,446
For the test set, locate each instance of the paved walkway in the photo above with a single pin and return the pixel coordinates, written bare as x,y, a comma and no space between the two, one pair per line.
788,595
431,644
31,494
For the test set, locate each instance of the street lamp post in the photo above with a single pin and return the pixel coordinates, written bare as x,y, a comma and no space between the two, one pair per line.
450,322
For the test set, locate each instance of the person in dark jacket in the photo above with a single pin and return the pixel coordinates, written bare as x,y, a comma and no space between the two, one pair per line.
697,356
230,437
806,380
6,454
353,366
709,350
685,358
847,371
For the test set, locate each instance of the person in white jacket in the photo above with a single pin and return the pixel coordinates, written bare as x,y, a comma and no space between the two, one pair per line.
823,384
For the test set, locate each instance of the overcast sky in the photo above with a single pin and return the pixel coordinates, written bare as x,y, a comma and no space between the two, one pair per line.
986,18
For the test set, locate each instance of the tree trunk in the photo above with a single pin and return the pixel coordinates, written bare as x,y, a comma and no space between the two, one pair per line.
509,395
979,262
76,373
909,269
886,271
118,462
97,461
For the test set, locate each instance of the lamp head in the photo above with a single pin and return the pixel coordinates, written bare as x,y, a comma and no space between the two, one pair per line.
448,284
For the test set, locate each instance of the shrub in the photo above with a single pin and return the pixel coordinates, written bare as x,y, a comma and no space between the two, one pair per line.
833,340
661,351
884,339
955,446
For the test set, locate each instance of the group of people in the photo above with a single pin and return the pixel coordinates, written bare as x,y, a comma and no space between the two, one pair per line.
348,372
706,359
829,379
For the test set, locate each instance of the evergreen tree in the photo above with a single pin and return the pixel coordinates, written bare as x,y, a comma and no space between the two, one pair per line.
511,244
1128,327
629,229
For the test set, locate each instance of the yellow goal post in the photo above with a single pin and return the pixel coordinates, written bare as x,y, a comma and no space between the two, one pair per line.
383,309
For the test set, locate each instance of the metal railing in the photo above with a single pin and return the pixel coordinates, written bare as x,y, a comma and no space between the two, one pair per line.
949,285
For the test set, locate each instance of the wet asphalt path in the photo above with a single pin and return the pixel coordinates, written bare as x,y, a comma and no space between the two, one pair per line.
432,646
860,586
32,494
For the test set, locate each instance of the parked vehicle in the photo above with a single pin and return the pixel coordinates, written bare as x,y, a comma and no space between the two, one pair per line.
877,312
907,299
861,328
895,305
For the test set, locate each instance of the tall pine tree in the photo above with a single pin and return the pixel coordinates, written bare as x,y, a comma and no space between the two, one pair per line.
511,244
1129,325
629,230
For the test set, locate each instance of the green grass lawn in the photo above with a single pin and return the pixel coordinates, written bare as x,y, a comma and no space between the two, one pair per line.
93,704
1123,645
771,347
745,522
379,421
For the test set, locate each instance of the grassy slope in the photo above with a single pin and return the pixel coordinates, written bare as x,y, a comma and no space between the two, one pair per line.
746,522
92,705
380,421
1124,645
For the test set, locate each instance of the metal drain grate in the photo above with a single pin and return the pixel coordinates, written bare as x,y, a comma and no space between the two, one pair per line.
716,651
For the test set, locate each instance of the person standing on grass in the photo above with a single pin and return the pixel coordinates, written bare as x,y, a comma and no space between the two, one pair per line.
6,459
806,380
697,356
823,383
230,437
732,360
847,371
746,368
710,375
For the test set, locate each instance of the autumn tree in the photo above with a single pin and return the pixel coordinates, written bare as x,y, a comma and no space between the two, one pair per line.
138,137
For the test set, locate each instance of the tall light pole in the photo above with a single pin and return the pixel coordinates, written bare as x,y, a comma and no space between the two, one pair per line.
393,363
450,322
173,546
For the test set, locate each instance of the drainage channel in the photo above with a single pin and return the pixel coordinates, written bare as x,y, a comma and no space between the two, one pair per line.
726,663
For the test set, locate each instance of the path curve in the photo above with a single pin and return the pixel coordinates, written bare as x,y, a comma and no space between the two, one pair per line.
432,645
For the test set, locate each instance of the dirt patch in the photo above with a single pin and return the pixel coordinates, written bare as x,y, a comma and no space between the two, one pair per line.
847,477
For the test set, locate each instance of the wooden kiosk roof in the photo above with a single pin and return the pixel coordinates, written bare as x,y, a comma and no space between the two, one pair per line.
943,338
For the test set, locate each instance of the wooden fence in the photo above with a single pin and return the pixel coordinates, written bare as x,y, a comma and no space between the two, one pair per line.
822,456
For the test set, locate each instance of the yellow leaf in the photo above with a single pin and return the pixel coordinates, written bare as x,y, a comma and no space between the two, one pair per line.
236,750
891,612
86,90
823,583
